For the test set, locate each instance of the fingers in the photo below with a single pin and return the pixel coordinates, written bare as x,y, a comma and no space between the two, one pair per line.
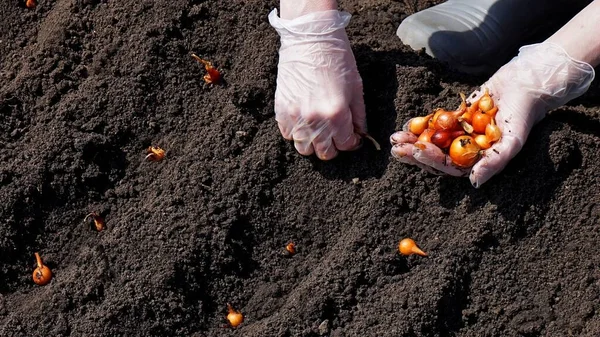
495,159
337,137
431,155
304,133
400,137
350,141
406,125
286,117
324,147
404,153
305,149
343,129
322,133
352,123
314,136
285,130
327,127
427,156
349,137
309,139
357,108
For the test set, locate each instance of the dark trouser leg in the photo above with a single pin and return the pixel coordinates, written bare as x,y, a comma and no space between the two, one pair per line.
479,36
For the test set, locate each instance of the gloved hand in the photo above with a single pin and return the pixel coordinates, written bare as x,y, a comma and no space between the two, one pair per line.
319,97
541,78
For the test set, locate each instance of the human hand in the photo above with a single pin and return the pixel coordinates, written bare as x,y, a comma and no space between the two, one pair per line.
319,97
541,78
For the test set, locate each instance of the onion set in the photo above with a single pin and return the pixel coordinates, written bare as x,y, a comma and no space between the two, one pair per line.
234,317
409,247
42,274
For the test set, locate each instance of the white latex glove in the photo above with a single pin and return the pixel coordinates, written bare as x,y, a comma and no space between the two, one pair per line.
541,78
319,97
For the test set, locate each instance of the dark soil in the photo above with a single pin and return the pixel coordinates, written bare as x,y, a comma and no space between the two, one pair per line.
87,85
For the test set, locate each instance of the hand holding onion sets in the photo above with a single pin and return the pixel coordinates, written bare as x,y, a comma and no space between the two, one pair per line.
454,139
542,77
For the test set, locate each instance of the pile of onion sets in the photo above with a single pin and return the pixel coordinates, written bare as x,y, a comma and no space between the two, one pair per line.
463,133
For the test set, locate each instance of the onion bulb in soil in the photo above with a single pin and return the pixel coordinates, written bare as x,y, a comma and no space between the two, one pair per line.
234,317
42,274
291,248
409,246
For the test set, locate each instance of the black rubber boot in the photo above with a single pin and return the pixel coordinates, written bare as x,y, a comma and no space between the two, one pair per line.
479,36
